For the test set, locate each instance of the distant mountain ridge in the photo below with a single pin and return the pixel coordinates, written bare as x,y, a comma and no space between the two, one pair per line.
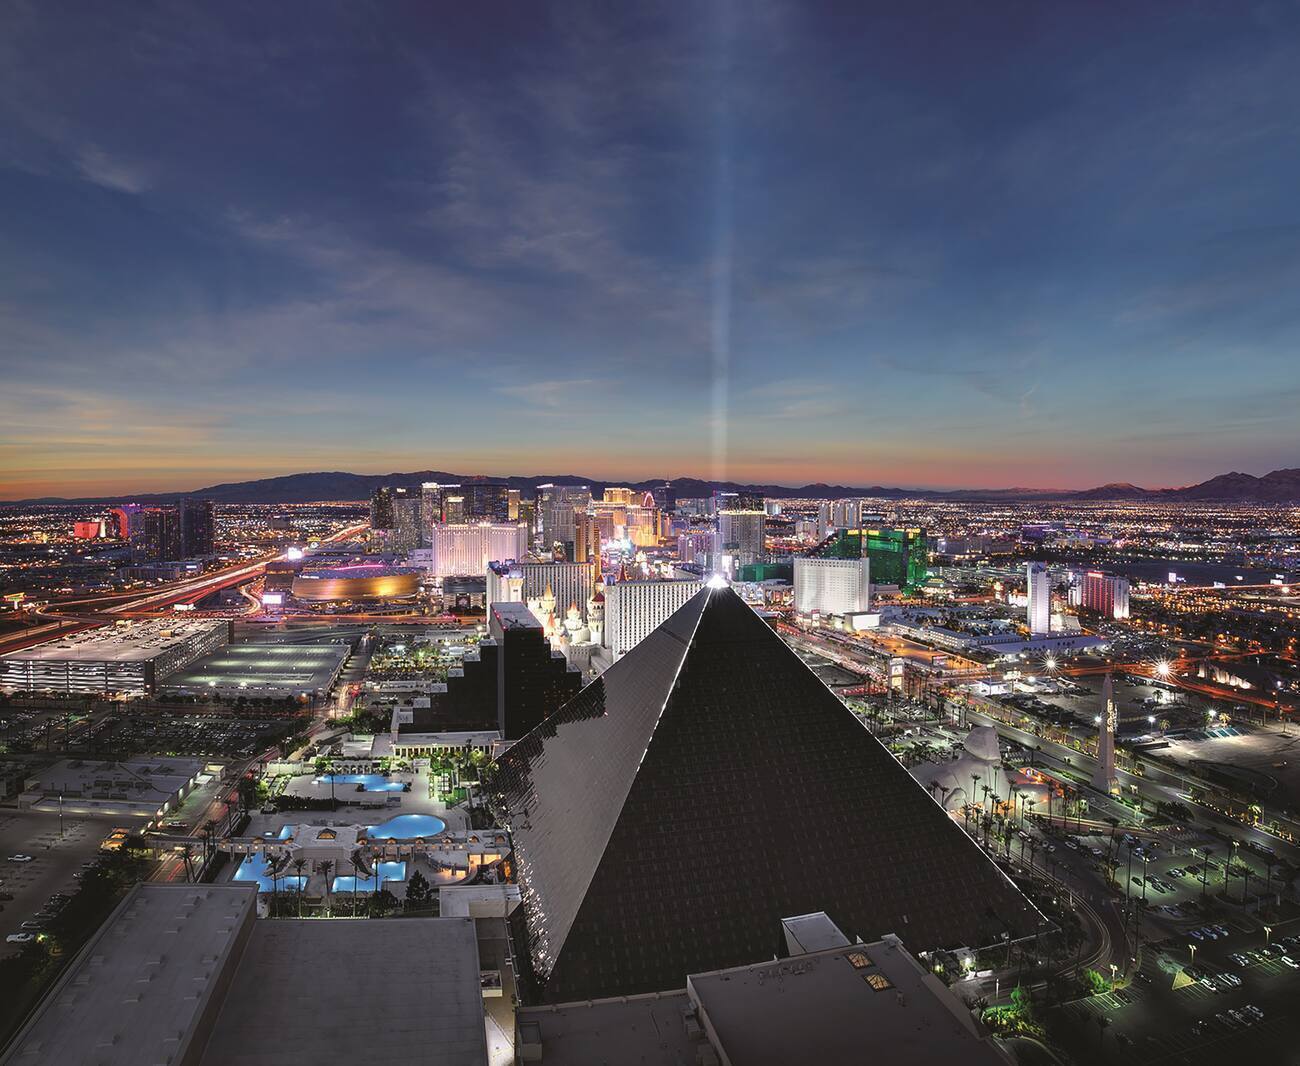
1278,486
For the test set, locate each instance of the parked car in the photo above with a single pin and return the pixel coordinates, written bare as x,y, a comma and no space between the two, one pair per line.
20,858
20,938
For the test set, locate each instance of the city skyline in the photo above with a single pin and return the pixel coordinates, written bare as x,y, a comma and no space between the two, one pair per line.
777,243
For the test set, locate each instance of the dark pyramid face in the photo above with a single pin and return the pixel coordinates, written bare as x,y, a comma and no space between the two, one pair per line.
753,795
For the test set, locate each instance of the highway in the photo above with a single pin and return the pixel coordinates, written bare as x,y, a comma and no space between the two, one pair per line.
68,616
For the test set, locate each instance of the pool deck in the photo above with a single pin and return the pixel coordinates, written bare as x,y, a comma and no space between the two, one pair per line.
380,805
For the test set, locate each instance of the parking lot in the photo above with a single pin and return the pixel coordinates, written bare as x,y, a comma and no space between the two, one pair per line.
55,860
198,734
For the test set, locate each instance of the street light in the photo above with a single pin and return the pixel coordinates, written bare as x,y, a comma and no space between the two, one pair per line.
1113,970
1267,933
1193,947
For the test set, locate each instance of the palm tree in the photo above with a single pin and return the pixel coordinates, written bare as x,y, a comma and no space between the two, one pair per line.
274,868
974,784
1113,822
298,866
326,868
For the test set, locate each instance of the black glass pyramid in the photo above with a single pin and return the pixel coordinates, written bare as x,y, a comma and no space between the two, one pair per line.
707,785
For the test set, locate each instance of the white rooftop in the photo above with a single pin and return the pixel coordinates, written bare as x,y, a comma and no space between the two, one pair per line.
159,777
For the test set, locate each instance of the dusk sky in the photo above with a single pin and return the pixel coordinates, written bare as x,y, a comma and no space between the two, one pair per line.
1041,244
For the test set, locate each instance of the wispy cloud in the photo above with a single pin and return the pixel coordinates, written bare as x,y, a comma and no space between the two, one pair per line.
570,395
97,167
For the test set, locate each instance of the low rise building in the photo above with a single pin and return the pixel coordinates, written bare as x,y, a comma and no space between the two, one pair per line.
185,974
842,1003
141,788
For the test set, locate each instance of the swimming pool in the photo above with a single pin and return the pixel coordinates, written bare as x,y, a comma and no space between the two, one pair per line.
369,782
388,871
254,868
408,827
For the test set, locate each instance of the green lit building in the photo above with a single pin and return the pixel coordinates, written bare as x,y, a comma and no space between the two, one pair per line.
898,556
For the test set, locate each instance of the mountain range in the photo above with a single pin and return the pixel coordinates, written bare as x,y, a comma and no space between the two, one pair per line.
1278,486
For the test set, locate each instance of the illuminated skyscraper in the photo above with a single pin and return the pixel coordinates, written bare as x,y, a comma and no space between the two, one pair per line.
381,508
634,609
831,586
453,510
616,494
1105,594
407,507
198,520
1039,607
486,501
739,538
433,496
466,549
156,535
557,505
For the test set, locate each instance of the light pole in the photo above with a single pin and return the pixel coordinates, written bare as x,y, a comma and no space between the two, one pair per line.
1193,947
1267,933
1113,970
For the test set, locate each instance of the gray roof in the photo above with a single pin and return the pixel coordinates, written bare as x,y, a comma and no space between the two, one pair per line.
850,1004
389,991
136,991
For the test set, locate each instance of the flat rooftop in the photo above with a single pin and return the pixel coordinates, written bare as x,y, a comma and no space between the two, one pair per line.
156,777
131,642
628,1031
342,990
830,1006
852,1003
296,667
186,973
136,992
514,615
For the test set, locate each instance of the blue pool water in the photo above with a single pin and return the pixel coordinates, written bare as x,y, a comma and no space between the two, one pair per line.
388,871
253,868
370,782
408,827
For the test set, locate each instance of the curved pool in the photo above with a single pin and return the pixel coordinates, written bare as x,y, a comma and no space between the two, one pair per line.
388,871
408,827
254,868
369,782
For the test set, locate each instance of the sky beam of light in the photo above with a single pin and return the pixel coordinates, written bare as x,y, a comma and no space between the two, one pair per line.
723,239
